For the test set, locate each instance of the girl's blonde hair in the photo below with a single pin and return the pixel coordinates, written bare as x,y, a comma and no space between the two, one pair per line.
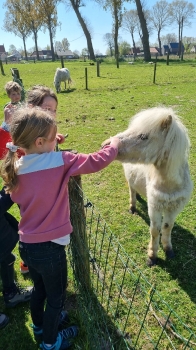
27,125
37,93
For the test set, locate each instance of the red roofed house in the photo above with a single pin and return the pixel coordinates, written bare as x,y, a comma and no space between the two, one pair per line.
154,51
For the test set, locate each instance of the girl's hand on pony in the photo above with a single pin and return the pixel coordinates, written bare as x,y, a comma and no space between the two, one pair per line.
113,140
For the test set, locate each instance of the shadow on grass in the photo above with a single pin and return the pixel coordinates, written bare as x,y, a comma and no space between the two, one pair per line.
96,329
67,91
16,335
183,266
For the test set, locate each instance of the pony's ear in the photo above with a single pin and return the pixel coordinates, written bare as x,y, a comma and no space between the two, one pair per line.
166,123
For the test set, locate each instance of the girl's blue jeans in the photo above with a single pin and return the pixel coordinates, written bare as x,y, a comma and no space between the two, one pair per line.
48,269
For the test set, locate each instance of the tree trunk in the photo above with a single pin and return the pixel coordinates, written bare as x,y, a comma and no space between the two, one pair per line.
134,47
145,34
85,29
25,50
111,50
159,40
51,42
36,46
179,30
181,48
116,37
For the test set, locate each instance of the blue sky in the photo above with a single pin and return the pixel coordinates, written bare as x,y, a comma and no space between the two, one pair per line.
100,23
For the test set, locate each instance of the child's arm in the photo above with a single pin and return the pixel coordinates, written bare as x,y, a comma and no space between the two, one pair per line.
78,164
8,113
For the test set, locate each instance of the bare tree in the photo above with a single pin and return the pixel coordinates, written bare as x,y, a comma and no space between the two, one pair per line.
169,38
160,18
49,19
35,14
124,48
65,44
76,4
31,13
15,22
116,10
130,23
181,12
145,32
109,40
62,45
58,46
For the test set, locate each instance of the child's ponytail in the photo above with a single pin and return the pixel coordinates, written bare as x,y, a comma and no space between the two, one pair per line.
8,169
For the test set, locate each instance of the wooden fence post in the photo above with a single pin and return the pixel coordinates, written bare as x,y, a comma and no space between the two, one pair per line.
62,62
168,59
86,78
79,243
2,70
155,67
98,70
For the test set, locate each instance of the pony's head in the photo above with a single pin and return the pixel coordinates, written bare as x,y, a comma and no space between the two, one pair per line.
154,136
57,85
57,80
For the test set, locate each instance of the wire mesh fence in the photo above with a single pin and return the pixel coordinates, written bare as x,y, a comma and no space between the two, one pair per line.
120,308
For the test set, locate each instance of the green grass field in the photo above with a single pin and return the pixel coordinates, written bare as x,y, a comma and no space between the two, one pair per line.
91,116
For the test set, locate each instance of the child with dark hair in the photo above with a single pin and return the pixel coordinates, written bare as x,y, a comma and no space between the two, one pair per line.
45,225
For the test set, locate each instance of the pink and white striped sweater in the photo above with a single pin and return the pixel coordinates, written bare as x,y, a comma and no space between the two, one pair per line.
42,192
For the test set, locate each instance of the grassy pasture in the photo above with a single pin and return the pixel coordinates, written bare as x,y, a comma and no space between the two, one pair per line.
89,117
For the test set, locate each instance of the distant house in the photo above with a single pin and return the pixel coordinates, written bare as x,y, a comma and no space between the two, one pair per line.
3,54
15,56
43,54
68,54
165,49
134,50
154,51
172,49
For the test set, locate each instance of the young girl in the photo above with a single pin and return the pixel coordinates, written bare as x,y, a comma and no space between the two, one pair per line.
38,182
41,96
45,98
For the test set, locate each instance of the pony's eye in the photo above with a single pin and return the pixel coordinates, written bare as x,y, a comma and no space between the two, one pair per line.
143,137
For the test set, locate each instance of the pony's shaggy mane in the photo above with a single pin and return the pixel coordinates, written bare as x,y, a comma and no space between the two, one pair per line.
177,144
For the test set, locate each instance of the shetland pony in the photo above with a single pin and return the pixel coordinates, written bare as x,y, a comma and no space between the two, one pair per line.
154,153
61,75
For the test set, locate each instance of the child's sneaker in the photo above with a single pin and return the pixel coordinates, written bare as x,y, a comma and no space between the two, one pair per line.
17,295
23,268
64,339
3,320
59,345
38,331
70,332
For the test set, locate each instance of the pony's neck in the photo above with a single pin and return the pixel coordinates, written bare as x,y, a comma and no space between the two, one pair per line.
166,176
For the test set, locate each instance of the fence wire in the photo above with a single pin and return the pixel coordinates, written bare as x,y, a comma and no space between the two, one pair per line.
120,308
